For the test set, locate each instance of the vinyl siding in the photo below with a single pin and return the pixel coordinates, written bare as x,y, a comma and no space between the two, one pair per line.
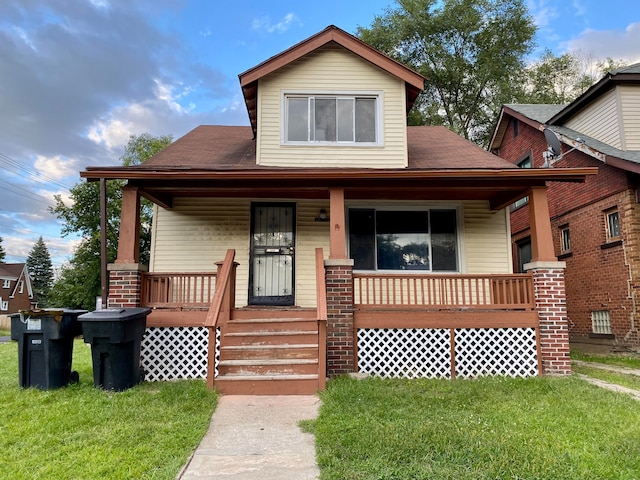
630,102
487,239
197,232
600,120
331,69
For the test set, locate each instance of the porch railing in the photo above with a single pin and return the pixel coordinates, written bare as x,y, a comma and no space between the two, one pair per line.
321,299
512,292
221,306
178,290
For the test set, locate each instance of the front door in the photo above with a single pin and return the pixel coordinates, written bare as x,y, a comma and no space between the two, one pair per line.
271,278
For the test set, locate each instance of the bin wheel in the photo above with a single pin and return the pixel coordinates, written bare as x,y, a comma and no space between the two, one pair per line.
74,377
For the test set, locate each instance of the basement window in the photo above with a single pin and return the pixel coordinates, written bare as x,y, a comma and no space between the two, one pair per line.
601,322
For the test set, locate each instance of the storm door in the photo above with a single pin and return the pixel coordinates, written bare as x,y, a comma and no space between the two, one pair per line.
271,278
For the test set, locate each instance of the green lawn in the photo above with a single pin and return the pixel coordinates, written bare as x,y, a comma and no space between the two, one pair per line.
490,428
628,360
81,432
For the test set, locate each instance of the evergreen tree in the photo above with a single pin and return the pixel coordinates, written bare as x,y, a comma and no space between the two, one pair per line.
41,271
2,252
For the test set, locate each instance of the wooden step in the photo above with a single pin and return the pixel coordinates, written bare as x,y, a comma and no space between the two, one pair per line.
268,367
254,352
281,337
271,325
267,384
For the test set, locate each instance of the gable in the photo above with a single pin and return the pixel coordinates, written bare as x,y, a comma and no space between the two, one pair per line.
331,71
600,120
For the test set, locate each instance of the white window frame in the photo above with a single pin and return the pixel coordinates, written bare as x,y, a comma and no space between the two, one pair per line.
608,214
526,159
374,94
412,207
21,288
4,305
565,240
6,283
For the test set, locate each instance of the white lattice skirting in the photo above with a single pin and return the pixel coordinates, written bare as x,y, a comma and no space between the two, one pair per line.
170,353
426,352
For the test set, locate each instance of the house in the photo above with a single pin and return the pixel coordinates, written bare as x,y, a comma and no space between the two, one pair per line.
351,242
596,224
15,288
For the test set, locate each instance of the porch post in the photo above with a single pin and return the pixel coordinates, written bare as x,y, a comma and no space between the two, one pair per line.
549,288
541,237
341,344
125,274
337,230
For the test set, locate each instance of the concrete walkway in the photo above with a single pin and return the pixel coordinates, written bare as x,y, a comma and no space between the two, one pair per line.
257,437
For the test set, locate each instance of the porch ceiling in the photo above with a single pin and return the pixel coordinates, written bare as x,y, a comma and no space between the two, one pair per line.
499,187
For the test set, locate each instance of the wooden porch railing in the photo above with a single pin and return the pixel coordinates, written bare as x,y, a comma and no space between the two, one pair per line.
321,296
221,306
177,290
501,292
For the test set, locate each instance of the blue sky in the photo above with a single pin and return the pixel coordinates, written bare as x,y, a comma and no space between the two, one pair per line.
77,77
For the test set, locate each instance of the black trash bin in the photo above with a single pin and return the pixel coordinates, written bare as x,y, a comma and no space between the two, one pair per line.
115,335
45,346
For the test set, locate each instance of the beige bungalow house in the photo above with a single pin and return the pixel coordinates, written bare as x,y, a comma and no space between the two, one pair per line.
328,237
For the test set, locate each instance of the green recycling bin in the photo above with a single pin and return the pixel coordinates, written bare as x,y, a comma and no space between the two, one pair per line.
115,335
45,346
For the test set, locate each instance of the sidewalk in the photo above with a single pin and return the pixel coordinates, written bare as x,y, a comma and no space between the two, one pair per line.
257,437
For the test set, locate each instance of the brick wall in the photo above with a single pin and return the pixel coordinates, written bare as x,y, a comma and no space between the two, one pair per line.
596,277
549,288
340,330
124,287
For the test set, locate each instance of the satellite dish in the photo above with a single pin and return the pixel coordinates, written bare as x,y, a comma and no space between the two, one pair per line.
553,142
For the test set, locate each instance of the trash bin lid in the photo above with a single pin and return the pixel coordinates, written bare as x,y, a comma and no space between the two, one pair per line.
115,314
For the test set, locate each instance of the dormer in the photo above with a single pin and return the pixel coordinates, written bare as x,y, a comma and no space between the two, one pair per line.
330,101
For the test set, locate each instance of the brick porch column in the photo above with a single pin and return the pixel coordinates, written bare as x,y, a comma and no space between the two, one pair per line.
125,284
341,353
551,303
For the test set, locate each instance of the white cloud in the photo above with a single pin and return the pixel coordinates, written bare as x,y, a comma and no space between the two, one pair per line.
579,8
542,12
56,167
265,24
617,44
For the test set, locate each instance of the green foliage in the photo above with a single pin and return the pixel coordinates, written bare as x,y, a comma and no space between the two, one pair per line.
82,432
2,252
41,271
471,52
487,428
79,283
561,79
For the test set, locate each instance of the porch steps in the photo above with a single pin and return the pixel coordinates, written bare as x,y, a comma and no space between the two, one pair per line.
268,356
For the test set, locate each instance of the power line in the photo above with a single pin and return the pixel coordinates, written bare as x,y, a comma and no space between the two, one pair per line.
31,173
24,192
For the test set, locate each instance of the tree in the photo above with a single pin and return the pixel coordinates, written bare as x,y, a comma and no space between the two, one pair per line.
41,271
2,252
471,52
79,282
561,79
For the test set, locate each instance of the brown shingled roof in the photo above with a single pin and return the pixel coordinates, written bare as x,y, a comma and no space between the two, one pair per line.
229,148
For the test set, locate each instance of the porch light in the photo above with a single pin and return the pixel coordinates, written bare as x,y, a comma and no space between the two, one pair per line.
322,216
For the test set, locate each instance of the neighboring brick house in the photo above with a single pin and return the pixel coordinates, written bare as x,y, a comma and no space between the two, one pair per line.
596,225
15,288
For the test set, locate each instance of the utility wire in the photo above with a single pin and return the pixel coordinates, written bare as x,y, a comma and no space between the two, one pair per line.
31,173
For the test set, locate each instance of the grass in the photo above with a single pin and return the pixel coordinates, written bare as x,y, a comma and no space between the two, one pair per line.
621,360
490,428
5,333
81,432
629,381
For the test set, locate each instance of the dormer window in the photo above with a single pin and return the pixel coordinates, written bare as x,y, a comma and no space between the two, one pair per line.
331,119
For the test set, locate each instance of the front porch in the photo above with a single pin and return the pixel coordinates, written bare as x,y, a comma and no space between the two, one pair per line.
391,325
